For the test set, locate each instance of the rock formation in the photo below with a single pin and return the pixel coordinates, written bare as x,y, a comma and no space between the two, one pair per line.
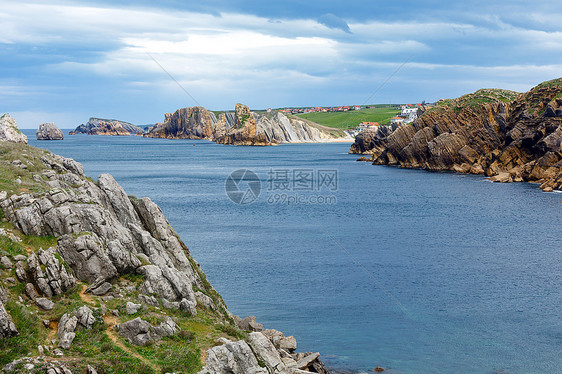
9,131
497,133
49,131
104,247
100,126
241,127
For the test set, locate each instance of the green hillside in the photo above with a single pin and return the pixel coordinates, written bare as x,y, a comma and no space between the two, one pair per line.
345,120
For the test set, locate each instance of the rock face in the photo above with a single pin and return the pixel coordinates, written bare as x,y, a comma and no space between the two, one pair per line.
140,332
501,134
9,131
49,131
100,126
7,326
102,234
241,127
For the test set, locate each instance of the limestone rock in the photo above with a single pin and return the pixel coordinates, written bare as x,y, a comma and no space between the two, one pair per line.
232,358
7,326
49,131
266,352
100,126
250,324
132,308
9,131
85,317
44,303
241,127
67,325
497,133
140,332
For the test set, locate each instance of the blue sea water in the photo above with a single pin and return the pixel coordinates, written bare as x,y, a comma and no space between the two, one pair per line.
413,271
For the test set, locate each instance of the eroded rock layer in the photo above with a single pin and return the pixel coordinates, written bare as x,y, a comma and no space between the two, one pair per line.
502,134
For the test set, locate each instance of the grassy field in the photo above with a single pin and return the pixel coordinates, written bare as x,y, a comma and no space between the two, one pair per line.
345,120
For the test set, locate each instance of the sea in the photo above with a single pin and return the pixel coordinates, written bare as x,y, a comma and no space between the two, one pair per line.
408,270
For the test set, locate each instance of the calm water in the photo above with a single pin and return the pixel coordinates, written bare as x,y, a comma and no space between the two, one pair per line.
413,271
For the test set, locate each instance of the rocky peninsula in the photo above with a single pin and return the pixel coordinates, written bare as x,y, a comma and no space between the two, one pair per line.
113,127
49,131
507,136
93,280
241,127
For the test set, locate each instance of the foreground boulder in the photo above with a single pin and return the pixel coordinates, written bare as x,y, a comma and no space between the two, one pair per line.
49,131
140,332
9,131
7,326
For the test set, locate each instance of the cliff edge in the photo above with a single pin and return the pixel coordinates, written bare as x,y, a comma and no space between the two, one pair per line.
507,136
95,280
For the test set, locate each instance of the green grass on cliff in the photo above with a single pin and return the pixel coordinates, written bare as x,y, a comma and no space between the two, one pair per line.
473,100
10,173
345,120
551,83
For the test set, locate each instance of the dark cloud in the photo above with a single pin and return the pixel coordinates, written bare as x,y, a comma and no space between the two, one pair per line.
334,22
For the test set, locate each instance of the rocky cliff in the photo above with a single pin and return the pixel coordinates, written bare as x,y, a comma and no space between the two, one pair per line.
49,131
501,134
9,130
95,280
100,126
241,127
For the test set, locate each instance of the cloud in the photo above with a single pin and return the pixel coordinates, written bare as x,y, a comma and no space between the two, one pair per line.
334,22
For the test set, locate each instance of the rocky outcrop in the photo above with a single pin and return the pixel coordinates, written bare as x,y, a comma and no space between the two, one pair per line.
9,131
241,127
501,134
185,123
83,318
49,131
7,326
260,354
100,126
102,234
140,332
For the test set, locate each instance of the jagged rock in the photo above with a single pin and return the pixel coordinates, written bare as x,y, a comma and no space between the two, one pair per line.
242,127
288,343
44,303
497,133
20,258
9,131
47,273
140,332
188,306
150,300
49,131
7,326
266,352
249,324
100,126
306,361
102,289
65,332
232,358
30,291
6,263
205,300
85,317
91,370
132,308
170,304
3,295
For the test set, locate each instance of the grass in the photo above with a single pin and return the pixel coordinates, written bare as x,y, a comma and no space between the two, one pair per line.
345,120
476,99
29,156
551,83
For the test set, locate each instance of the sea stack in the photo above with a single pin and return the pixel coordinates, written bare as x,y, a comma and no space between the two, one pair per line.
49,131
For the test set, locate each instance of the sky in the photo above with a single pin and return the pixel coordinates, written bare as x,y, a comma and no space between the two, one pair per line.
66,61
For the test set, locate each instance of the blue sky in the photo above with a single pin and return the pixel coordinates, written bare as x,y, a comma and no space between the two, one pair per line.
65,61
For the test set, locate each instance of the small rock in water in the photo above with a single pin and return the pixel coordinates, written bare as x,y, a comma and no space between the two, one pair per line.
378,369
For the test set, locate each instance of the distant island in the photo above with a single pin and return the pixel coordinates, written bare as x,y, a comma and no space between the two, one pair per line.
505,135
